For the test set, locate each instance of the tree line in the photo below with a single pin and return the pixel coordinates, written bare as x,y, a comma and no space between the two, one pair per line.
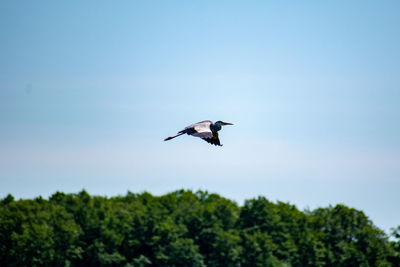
186,228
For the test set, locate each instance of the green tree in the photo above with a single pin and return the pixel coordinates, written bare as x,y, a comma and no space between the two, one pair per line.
35,233
351,238
183,228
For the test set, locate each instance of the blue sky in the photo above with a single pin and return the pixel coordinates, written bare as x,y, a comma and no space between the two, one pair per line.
88,91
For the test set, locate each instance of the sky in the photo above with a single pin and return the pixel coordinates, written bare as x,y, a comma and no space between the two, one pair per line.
89,90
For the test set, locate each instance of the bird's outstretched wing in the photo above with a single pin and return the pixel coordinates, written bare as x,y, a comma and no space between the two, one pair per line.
200,129
213,140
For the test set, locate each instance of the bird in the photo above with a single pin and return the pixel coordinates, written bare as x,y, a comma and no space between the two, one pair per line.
206,130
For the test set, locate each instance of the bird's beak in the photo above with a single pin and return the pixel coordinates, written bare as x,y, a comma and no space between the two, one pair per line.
227,123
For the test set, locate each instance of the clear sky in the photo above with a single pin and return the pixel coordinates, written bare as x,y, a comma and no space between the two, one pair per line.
89,89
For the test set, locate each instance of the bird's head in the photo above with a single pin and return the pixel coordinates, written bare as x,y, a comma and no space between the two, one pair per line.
221,123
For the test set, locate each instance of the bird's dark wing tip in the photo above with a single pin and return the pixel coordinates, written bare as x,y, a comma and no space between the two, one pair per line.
213,141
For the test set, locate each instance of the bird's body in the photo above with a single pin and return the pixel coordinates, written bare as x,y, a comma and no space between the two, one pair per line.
206,130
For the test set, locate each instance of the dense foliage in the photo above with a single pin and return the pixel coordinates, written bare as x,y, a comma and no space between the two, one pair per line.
186,229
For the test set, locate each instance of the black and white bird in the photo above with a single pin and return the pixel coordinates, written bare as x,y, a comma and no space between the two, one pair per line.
206,130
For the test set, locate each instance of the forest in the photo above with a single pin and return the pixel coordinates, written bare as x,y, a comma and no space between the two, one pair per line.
186,228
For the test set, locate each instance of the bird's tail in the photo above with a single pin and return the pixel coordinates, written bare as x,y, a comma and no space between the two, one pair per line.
172,137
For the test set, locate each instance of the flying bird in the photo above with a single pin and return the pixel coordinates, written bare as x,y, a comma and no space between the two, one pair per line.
206,130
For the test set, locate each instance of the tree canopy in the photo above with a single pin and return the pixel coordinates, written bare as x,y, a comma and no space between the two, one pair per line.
186,228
